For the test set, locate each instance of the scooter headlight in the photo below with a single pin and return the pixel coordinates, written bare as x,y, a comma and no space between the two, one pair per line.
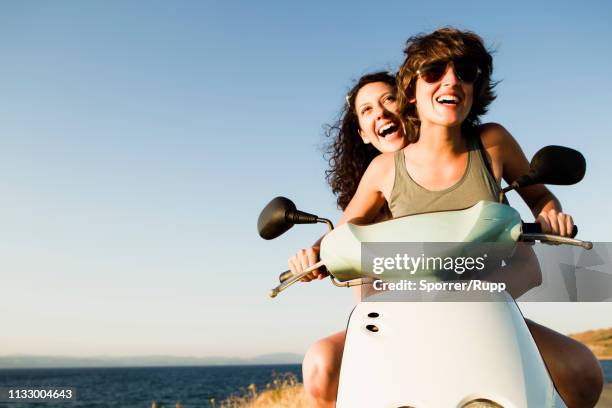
481,403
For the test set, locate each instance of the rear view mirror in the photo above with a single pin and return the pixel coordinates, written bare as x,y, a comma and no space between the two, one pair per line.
279,216
555,165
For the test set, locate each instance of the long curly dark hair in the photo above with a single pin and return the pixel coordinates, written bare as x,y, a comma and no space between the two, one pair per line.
347,155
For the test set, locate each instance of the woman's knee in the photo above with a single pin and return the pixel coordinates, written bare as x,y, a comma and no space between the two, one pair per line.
588,376
575,369
583,371
322,363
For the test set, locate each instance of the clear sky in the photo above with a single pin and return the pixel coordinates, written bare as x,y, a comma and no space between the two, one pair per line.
140,139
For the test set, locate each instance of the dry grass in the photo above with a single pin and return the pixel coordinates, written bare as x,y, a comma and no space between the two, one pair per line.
283,392
599,341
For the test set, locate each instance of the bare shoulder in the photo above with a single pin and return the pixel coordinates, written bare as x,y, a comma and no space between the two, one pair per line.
375,175
381,164
494,135
369,198
499,143
385,173
504,151
501,148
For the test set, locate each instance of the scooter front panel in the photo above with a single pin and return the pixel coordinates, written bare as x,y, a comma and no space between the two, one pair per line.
484,222
463,350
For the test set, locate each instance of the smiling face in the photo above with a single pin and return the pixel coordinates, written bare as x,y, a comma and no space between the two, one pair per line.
446,102
420,72
376,109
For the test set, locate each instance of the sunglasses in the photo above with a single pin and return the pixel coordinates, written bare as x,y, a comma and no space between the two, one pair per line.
467,71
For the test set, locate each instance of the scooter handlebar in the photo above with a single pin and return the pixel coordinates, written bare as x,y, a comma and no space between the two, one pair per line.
536,228
285,275
288,274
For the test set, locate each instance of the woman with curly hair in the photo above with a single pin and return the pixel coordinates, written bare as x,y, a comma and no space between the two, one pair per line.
452,162
367,126
350,150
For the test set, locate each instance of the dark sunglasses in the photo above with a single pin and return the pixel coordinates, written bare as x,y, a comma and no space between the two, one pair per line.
467,71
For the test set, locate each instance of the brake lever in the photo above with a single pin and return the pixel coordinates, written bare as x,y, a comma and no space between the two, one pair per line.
285,284
555,238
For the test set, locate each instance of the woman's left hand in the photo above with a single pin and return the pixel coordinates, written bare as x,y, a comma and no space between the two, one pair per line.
557,223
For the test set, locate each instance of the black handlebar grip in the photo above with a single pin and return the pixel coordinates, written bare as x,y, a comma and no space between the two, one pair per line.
285,275
536,228
532,228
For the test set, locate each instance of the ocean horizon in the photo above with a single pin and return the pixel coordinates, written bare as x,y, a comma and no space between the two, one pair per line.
138,387
132,387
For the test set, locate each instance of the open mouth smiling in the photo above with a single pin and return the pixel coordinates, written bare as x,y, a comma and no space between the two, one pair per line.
448,99
387,129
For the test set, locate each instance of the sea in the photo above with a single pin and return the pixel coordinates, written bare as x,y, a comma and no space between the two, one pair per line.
139,387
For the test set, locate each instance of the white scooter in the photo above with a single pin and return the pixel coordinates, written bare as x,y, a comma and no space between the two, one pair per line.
463,354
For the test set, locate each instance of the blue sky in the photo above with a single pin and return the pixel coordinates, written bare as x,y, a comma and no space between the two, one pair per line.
139,140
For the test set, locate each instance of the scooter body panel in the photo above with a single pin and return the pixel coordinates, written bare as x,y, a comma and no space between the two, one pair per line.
442,354
484,222
437,354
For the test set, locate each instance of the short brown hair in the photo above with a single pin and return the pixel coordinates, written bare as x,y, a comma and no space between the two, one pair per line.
446,43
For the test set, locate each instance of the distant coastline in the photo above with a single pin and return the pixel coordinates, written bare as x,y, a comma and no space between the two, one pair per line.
30,361
599,341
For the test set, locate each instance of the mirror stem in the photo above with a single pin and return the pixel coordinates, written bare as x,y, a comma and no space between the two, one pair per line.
330,226
503,192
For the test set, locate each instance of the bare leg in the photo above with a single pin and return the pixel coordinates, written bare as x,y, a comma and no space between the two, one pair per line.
321,370
574,369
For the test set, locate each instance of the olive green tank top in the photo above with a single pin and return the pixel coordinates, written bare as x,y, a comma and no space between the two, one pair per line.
477,184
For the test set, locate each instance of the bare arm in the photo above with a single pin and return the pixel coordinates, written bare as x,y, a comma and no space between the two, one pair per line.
509,162
363,209
520,274
365,205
